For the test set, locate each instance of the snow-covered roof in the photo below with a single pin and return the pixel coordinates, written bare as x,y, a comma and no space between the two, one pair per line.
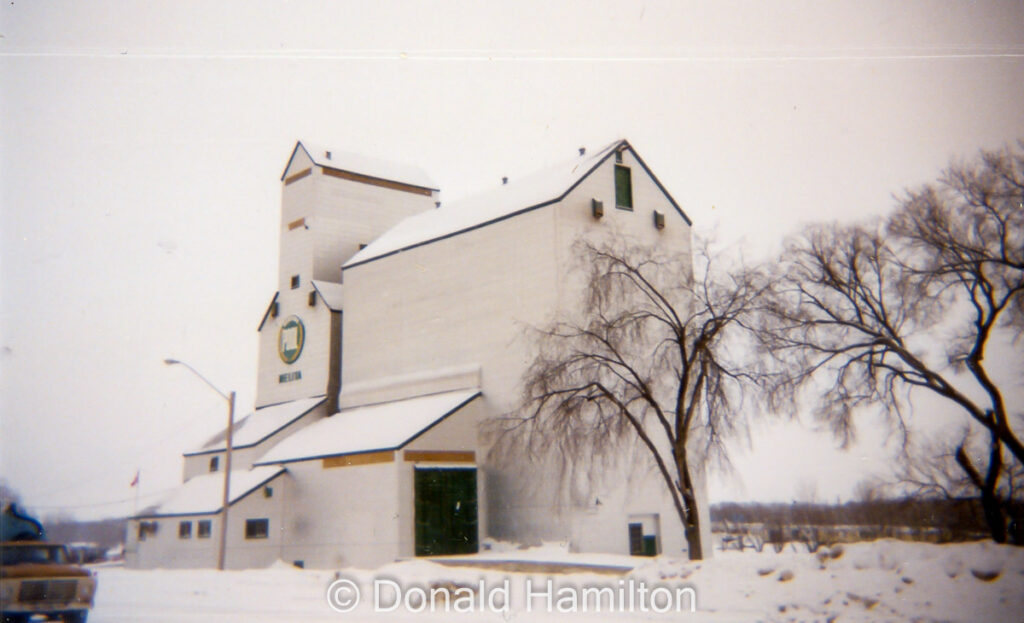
517,196
365,165
330,292
257,427
384,426
204,494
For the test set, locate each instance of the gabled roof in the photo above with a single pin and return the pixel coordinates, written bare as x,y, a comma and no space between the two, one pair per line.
331,293
362,165
257,427
517,197
266,314
203,495
371,428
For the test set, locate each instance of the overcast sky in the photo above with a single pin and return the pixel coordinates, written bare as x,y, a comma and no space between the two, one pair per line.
142,145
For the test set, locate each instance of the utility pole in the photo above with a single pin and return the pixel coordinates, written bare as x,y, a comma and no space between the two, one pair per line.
226,503
222,552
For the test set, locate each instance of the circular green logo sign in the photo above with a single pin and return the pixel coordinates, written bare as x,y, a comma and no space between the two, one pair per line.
290,339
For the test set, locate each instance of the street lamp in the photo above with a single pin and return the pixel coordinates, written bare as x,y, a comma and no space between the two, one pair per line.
230,397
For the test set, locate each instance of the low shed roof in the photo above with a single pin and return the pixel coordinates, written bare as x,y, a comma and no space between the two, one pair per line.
259,426
376,427
204,495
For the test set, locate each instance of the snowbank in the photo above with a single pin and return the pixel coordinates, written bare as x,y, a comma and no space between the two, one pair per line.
882,580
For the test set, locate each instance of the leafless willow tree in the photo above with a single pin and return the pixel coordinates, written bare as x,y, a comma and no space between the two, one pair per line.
864,314
937,468
943,468
646,366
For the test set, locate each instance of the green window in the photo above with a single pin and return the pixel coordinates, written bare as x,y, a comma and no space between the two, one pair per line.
623,188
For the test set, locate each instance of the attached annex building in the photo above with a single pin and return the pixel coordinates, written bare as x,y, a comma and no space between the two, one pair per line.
399,325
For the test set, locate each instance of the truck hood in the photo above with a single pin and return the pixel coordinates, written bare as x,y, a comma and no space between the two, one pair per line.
35,570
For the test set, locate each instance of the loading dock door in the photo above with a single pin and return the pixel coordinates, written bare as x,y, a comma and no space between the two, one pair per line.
446,511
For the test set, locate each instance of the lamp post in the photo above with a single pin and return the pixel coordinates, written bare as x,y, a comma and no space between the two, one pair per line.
230,397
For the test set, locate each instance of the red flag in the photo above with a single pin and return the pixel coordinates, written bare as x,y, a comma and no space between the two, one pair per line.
135,481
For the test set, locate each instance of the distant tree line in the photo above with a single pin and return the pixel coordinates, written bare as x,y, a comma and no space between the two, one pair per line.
961,516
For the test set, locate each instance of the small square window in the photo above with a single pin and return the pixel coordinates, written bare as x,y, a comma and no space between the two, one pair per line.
185,530
147,529
203,528
618,157
214,463
268,492
295,281
257,528
623,188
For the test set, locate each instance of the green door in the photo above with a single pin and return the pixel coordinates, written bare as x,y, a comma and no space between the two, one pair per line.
446,521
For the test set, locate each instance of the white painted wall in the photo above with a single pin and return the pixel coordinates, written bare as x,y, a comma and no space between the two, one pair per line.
348,213
470,300
313,362
298,200
339,215
461,301
166,550
342,516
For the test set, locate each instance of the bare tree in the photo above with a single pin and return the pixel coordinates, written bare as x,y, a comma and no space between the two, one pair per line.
859,309
944,468
647,366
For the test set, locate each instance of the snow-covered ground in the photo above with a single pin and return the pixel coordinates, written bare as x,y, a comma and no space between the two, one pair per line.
882,580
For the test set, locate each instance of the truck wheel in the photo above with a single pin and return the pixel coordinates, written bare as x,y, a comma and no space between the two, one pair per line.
77,616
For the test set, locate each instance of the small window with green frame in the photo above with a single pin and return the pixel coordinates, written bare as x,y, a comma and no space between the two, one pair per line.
623,188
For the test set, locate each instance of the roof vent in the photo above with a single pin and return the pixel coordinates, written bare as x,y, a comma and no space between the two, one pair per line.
583,150
504,180
327,155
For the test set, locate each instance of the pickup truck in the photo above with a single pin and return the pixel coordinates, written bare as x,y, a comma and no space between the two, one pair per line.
36,577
